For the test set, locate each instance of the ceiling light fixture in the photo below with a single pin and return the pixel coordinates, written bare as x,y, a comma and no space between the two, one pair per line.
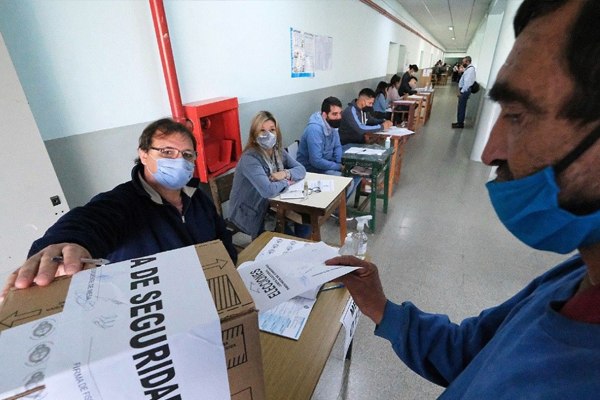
451,28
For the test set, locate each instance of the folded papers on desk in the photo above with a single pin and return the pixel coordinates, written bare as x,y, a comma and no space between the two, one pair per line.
365,151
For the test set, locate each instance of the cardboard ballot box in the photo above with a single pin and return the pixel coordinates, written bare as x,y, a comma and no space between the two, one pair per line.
41,308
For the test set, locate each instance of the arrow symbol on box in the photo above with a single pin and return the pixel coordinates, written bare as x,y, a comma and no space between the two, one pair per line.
12,318
217,264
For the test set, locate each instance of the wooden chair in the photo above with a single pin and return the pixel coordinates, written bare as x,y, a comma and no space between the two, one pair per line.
220,188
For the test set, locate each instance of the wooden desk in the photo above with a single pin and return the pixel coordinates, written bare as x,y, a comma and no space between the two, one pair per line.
317,208
414,109
378,164
398,140
429,100
422,109
292,368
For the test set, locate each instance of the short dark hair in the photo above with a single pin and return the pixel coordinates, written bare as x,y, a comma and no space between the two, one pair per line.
414,67
163,127
582,45
413,77
367,92
328,102
468,58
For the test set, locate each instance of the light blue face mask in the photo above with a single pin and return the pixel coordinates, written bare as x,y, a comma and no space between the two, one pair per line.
267,140
529,209
173,173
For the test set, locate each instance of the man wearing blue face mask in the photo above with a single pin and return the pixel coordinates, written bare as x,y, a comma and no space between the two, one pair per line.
160,209
543,343
320,149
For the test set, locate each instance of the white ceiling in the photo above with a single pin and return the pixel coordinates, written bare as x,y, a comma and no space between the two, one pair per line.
437,15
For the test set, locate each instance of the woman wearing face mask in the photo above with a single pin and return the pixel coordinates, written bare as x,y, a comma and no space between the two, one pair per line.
263,171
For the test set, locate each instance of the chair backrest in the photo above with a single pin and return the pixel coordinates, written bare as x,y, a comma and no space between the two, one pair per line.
292,149
220,187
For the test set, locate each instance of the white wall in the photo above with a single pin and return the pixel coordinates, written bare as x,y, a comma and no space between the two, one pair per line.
27,177
93,65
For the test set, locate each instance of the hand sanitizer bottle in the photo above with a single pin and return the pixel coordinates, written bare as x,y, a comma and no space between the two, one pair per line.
305,191
388,142
348,247
361,237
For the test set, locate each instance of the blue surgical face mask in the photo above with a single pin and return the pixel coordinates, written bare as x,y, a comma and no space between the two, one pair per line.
173,173
529,208
266,140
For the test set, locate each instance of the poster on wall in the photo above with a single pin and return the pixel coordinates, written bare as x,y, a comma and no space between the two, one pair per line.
324,50
303,54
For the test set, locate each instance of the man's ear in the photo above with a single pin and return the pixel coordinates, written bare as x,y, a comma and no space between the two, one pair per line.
143,156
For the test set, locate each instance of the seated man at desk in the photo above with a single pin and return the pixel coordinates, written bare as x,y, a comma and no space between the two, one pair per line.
160,209
320,150
408,87
356,120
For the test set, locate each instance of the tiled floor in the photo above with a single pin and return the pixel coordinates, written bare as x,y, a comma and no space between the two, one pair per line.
440,246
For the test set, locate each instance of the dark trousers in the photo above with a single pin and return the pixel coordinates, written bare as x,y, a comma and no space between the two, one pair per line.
462,106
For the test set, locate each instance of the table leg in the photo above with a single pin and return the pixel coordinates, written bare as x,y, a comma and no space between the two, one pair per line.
400,154
395,163
280,215
315,233
386,185
374,181
343,222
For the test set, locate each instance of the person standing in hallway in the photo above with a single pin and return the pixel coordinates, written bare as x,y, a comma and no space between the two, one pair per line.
542,343
466,81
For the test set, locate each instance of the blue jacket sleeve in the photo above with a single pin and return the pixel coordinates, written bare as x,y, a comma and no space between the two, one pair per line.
433,346
254,170
297,170
314,141
337,149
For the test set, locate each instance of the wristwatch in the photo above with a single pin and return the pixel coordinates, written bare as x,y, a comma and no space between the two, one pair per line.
288,176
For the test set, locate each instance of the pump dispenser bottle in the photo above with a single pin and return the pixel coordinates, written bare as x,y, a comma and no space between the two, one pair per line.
361,237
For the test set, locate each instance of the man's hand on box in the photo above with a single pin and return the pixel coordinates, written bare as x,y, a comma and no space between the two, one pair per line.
41,270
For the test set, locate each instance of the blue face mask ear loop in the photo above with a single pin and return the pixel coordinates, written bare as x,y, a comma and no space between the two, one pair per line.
581,148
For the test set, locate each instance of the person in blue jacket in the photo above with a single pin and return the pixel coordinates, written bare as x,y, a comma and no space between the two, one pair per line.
263,171
320,149
544,342
160,209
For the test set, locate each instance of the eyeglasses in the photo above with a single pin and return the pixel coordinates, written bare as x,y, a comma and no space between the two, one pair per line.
170,152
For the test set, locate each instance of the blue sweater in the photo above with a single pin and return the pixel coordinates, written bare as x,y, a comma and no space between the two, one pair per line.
521,349
380,104
133,221
249,198
320,149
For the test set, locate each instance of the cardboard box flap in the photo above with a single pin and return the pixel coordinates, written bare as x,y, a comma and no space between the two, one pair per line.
22,306
228,290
